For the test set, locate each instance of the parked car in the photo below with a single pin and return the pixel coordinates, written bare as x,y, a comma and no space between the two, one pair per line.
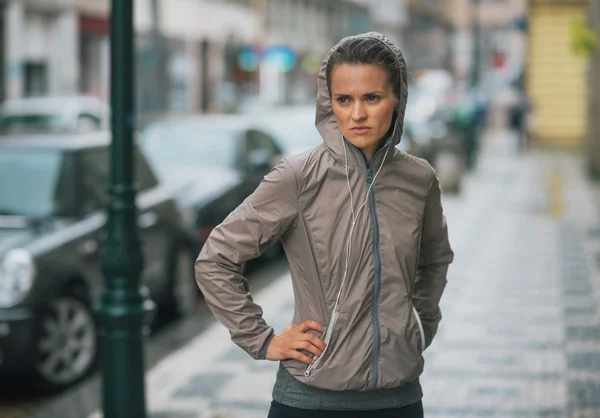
72,114
53,196
211,163
293,126
429,135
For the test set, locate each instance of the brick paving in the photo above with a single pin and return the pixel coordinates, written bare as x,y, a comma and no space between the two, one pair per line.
520,336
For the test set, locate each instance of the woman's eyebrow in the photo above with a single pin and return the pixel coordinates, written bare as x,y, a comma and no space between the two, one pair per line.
364,94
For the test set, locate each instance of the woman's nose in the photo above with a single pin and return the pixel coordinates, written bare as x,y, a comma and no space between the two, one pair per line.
358,111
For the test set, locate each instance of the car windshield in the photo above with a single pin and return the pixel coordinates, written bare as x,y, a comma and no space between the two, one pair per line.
184,145
34,177
13,124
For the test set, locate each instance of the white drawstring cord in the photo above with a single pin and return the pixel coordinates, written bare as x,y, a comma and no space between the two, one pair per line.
335,313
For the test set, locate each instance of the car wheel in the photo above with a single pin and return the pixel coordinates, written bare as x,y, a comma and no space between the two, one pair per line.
184,290
66,345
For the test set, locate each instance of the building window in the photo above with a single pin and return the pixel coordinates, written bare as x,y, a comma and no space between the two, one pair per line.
36,78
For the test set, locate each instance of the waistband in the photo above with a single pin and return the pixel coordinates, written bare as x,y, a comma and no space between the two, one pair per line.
289,391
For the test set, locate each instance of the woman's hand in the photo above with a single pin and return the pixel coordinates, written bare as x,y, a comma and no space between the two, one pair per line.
286,345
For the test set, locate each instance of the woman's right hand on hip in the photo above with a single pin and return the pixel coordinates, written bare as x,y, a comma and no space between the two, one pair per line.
286,345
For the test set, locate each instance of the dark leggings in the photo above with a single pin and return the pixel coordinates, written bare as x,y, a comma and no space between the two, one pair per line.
282,411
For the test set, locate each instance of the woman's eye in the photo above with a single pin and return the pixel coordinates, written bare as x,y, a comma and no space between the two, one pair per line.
342,100
372,98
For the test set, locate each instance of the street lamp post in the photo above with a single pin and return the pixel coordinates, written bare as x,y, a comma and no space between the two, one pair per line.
121,309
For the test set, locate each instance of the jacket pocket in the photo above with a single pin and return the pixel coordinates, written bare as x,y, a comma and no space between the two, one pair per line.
296,367
421,342
326,337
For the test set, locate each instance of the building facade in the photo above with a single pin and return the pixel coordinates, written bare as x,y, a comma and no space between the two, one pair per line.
592,144
445,33
426,35
557,80
309,28
191,55
40,44
390,18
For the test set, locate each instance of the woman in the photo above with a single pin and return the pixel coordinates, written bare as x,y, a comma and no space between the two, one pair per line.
365,236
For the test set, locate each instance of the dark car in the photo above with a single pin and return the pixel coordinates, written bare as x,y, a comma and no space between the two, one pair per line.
53,196
211,163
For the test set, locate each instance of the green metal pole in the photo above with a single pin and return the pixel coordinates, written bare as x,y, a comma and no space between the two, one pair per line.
121,308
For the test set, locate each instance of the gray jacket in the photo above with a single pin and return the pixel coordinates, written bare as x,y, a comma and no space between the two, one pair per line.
380,313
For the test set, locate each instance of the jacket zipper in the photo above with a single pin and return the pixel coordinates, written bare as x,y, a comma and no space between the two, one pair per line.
377,285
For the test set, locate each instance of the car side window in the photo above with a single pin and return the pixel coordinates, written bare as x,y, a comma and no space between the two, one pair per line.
258,140
65,194
252,143
94,179
144,176
95,166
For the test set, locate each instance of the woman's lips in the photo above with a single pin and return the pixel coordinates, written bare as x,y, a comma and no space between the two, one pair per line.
360,129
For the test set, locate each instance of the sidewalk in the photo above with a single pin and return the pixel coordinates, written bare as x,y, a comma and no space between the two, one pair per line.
520,335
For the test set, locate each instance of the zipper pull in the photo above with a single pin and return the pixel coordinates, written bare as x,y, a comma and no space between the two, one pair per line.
369,178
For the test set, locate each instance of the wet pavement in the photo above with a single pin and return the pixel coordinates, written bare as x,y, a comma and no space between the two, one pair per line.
520,335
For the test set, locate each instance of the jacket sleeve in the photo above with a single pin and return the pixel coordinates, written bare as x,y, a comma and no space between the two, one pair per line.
253,226
435,256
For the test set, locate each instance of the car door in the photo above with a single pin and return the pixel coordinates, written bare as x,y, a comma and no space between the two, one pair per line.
153,227
158,227
92,172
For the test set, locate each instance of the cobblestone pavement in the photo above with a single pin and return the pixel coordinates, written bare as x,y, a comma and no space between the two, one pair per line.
520,336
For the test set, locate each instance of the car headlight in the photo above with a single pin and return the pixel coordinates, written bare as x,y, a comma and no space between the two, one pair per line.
17,271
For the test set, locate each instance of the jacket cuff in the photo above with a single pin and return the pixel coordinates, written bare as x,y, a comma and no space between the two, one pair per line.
429,335
262,354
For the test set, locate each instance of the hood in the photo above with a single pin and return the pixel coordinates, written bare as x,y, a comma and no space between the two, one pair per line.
325,119
14,238
20,232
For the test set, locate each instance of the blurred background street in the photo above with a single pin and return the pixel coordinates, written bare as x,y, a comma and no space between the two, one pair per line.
504,98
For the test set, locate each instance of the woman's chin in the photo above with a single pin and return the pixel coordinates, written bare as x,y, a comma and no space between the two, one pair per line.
362,141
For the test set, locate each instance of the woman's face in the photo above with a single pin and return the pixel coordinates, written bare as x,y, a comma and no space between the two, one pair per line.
363,102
